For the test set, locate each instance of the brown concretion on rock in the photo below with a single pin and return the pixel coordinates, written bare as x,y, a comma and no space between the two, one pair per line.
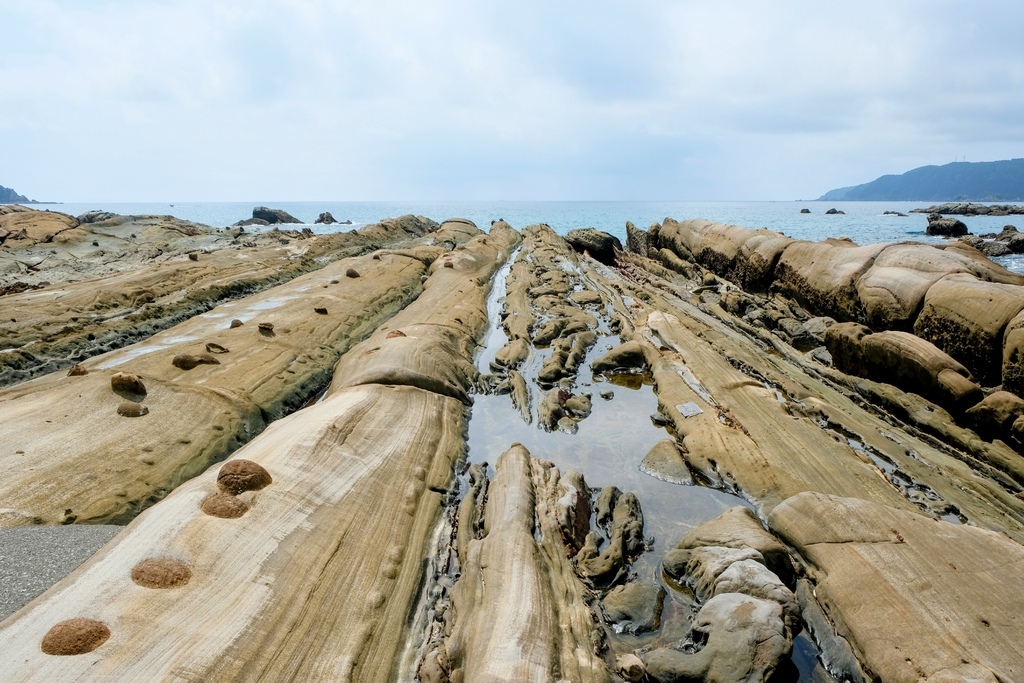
187,361
128,383
236,323
238,476
77,370
75,637
131,409
161,572
225,506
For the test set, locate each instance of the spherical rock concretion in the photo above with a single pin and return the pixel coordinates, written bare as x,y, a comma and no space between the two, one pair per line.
125,381
161,572
75,637
236,323
351,272
77,370
225,506
132,409
237,476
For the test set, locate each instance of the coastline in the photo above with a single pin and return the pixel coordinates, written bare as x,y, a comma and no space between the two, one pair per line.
752,394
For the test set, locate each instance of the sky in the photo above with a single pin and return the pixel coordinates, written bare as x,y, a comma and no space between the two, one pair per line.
306,100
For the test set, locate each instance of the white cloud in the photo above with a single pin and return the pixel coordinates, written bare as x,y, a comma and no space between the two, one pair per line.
311,99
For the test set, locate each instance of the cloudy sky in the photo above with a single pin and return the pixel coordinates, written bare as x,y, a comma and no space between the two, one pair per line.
209,100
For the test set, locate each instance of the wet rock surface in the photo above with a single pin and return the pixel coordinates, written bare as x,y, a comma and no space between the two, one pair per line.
385,546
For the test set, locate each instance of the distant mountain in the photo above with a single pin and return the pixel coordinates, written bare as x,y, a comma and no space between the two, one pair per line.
982,181
9,196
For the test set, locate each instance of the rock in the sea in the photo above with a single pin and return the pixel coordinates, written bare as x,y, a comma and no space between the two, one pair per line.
75,637
598,244
634,608
238,476
273,216
325,218
128,383
805,210
945,227
834,212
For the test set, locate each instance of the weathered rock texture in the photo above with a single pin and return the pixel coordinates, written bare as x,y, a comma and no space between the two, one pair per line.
921,600
317,579
138,281
519,611
81,461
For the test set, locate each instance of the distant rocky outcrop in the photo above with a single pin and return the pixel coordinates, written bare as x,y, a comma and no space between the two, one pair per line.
9,196
261,215
325,219
968,209
987,181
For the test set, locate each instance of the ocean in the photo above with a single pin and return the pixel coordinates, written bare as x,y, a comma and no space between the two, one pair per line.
863,222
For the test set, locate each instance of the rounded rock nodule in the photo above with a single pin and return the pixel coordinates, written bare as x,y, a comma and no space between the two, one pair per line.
236,323
77,370
124,381
75,637
132,409
161,572
238,476
225,506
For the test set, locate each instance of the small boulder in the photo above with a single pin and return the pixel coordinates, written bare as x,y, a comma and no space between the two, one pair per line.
600,245
626,357
236,323
834,212
945,227
77,370
352,272
325,218
634,608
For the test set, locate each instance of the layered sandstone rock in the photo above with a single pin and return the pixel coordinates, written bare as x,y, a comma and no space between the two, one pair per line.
920,600
315,581
195,416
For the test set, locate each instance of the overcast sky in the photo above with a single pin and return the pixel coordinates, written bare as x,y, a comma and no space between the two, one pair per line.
205,100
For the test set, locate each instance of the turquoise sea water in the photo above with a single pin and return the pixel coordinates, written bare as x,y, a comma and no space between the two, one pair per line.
862,222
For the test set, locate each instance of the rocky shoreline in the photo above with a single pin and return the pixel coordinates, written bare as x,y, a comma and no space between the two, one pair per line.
864,402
